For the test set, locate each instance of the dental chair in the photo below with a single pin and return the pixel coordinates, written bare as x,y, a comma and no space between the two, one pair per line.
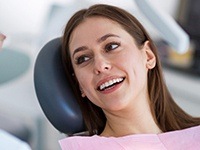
54,91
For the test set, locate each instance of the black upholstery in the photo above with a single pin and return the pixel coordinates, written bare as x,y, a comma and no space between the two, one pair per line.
54,92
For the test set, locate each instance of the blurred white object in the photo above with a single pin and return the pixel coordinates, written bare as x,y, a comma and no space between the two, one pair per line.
166,25
9,142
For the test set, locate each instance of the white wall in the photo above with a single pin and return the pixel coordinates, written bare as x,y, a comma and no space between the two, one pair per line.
26,17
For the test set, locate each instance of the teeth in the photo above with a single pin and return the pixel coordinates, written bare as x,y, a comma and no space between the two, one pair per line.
110,82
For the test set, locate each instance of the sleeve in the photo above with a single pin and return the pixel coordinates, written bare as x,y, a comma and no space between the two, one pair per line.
10,142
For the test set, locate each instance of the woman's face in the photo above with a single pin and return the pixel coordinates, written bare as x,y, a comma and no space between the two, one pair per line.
110,68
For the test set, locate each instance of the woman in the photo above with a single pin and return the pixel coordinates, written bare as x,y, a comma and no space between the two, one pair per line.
119,84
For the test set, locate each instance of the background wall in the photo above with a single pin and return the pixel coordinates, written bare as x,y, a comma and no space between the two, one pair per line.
22,18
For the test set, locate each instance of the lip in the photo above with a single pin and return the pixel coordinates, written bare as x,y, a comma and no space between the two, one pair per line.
106,80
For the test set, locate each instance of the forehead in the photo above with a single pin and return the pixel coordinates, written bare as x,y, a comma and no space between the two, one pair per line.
94,27
96,22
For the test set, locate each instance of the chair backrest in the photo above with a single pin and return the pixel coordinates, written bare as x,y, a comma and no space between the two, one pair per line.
54,91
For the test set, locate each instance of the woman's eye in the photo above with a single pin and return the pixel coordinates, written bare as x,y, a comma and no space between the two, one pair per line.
82,59
112,46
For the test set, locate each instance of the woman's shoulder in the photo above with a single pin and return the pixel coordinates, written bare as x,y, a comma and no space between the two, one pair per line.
188,138
187,131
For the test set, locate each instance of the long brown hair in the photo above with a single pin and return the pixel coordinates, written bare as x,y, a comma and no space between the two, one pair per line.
167,114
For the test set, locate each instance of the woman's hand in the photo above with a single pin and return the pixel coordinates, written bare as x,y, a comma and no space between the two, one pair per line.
2,38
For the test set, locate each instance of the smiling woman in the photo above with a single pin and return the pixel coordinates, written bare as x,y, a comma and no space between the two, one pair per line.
116,75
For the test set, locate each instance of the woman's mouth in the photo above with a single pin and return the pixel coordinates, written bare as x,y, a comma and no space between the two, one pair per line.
109,84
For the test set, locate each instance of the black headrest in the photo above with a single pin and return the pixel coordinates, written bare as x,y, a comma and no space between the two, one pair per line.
54,92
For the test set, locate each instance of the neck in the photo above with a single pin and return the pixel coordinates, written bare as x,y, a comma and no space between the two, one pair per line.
131,121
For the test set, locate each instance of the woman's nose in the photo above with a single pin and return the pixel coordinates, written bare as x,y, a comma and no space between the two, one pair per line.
101,65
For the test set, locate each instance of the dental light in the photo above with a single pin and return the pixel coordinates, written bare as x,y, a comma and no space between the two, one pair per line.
170,31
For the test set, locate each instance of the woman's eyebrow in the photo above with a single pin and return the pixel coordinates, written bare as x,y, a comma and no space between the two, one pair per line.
103,38
82,48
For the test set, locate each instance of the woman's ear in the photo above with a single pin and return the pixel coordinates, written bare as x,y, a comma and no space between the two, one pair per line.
150,56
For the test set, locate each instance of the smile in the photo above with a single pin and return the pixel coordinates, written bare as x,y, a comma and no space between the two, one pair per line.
110,83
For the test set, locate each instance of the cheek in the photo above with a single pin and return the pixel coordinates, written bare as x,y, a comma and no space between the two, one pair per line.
130,61
80,77
84,79
135,66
